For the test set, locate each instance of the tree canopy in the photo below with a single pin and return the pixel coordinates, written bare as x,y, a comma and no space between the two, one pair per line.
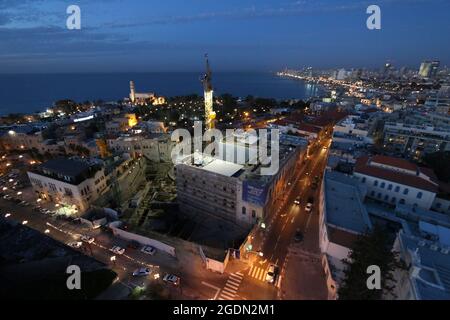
371,249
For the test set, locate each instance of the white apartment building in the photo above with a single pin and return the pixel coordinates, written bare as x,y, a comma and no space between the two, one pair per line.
343,217
155,147
71,183
397,181
416,140
353,128
235,192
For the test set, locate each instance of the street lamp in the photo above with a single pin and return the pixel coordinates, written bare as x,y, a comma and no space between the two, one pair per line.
47,231
24,222
156,276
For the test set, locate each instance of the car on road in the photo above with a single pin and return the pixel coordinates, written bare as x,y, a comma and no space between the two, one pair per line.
272,273
87,239
117,250
309,205
297,201
298,236
134,245
172,279
75,244
148,250
141,272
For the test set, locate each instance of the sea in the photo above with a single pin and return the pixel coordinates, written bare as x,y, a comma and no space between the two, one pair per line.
29,93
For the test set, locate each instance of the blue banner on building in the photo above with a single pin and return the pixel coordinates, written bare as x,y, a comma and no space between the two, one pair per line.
254,193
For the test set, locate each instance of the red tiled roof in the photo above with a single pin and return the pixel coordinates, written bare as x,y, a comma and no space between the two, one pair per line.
363,166
281,122
329,118
394,162
308,128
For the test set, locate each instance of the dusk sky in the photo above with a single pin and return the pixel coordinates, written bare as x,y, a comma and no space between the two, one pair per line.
239,35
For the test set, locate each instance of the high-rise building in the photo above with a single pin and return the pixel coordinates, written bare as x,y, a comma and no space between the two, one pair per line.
132,92
428,69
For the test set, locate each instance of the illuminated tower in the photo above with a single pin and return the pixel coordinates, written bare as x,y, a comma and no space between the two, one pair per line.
132,92
210,115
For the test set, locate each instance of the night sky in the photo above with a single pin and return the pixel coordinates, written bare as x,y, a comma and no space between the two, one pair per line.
239,35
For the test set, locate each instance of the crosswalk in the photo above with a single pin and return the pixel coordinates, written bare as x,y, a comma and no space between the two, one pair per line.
257,273
231,287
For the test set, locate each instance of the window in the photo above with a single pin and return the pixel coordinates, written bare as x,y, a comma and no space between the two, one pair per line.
379,195
406,191
397,189
244,210
402,201
386,198
390,187
394,200
372,193
363,180
253,213
419,195
375,183
383,185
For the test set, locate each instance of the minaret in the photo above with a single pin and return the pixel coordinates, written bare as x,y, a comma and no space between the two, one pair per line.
210,115
132,92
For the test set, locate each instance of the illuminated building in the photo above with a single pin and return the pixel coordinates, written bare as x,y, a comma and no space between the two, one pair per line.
210,115
428,69
72,183
132,92
144,98
233,189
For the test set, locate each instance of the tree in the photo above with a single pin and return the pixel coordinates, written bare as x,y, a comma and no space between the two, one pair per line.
439,162
371,249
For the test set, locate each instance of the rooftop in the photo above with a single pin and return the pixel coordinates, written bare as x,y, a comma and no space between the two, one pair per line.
364,166
432,282
67,167
343,200
68,170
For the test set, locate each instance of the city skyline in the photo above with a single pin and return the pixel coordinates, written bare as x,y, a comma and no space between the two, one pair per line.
241,36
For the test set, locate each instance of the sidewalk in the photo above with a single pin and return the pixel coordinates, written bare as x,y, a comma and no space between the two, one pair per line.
306,268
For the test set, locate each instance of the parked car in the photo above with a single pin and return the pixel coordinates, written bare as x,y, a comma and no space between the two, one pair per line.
87,239
118,250
75,244
298,236
149,250
172,279
134,245
141,272
272,273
